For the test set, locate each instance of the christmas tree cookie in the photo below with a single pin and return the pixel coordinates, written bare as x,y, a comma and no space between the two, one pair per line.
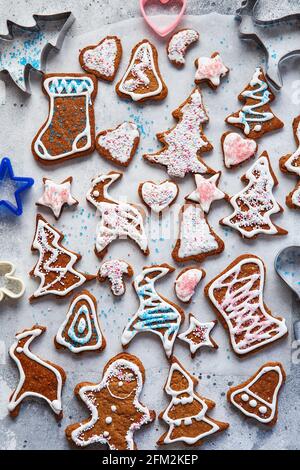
186,415
291,164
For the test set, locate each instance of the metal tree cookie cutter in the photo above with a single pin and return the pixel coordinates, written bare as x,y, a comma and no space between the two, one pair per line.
20,184
287,266
279,38
26,47
10,286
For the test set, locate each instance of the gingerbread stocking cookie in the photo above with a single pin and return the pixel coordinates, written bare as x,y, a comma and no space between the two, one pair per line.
186,414
258,397
184,143
114,270
156,314
237,296
57,196
103,59
291,164
114,403
117,219
38,378
198,335
178,45
55,266
142,80
210,70
69,130
81,331
119,145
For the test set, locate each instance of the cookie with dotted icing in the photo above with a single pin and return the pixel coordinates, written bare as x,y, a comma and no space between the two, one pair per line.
103,59
236,149
114,404
236,295
142,80
178,44
120,144
291,164
210,70
114,271
158,196
257,397
187,281
81,331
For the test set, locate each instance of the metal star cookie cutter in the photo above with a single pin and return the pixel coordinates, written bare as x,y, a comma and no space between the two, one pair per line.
10,286
279,38
26,47
287,266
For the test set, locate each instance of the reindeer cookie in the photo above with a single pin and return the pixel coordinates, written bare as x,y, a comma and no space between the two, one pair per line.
156,314
114,403
103,59
113,271
38,378
117,219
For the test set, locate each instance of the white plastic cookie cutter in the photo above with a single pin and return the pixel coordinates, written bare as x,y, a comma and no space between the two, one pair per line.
287,266
10,286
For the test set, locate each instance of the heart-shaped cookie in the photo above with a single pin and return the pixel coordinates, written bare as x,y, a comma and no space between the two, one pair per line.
120,144
163,31
10,286
103,59
158,196
237,149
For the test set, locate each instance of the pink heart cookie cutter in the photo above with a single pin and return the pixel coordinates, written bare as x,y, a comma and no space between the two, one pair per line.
163,31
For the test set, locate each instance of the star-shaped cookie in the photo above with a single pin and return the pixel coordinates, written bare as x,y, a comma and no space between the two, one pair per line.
56,196
206,191
198,334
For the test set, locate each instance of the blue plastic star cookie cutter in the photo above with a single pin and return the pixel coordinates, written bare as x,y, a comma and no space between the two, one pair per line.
20,184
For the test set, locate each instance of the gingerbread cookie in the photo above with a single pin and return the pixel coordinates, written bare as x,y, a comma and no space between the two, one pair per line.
114,270
206,191
257,397
158,196
156,314
114,404
69,130
103,59
198,335
183,144
187,282
117,219
196,239
57,196
80,330
186,414
237,296
291,164
256,117
178,44
236,149
210,70
142,80
255,204
38,378
55,266
120,144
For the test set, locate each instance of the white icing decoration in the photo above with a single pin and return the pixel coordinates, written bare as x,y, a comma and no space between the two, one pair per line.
155,314
55,405
243,308
179,43
108,420
185,140
87,392
117,219
113,408
268,406
141,63
102,57
245,397
187,282
211,68
253,403
70,339
206,191
159,196
56,196
200,330
296,197
258,198
106,434
249,114
114,271
119,141
66,87
263,409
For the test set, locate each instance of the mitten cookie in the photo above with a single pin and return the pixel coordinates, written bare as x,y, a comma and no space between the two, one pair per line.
142,80
210,70
156,314
114,403
69,130
186,414
120,144
38,378
198,335
187,282
80,330
114,270
103,59
291,164
257,397
158,196
256,117
57,196
178,44
236,149
237,296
